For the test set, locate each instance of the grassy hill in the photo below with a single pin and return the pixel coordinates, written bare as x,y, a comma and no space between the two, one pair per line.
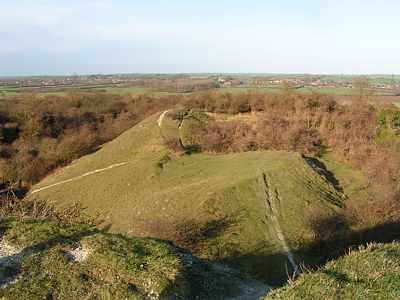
248,210
42,259
371,272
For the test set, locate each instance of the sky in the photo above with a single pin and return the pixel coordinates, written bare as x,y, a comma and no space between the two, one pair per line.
60,37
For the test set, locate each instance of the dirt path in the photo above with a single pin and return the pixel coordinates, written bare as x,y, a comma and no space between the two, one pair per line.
249,289
161,118
272,214
79,177
285,246
232,284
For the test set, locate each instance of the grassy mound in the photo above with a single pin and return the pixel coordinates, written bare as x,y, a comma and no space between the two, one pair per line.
244,209
115,267
371,272
46,260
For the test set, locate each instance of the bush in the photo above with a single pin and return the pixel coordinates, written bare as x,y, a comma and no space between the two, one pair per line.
11,206
306,141
165,159
175,145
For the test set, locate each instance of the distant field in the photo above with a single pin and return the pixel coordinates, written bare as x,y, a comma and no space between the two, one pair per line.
235,90
125,90
7,91
65,91
340,91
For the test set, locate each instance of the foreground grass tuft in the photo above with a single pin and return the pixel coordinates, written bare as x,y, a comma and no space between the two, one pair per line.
371,272
116,267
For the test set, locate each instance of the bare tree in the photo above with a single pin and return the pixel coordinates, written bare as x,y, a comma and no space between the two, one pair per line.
362,89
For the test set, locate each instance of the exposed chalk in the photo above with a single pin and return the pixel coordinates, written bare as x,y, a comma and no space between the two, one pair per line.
78,177
79,254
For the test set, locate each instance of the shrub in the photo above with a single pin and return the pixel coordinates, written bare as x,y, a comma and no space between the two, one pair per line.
175,145
11,206
306,141
163,160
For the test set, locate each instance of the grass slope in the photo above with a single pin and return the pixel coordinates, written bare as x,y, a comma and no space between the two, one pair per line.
234,198
371,272
115,267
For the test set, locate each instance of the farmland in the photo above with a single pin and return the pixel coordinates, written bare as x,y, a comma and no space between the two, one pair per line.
186,83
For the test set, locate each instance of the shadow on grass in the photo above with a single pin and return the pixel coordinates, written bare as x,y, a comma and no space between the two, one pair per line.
322,170
275,269
338,276
191,233
333,248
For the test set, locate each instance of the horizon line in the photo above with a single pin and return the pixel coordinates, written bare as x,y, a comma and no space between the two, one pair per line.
201,73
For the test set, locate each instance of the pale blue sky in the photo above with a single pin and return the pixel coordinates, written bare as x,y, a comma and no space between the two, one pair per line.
174,36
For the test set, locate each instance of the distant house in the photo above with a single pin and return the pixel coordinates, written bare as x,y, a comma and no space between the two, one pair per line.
221,80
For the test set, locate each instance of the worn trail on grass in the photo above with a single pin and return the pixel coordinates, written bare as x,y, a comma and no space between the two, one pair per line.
272,214
161,118
79,177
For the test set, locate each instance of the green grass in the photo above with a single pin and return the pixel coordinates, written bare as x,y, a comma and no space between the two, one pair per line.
68,90
339,91
139,199
136,90
116,267
237,90
353,182
276,88
335,91
371,272
125,90
4,91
